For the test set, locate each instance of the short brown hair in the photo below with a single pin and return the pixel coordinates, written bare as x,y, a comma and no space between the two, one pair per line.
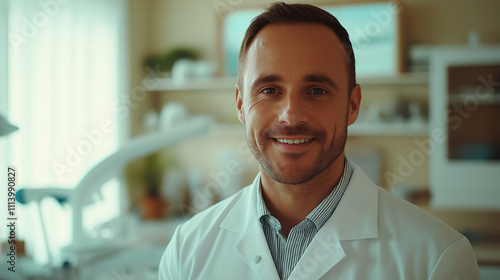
279,13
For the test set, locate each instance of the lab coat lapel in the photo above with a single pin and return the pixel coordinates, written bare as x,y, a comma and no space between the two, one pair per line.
253,248
355,218
324,252
252,245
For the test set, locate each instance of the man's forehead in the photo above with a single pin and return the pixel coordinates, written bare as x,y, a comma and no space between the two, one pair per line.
278,45
291,42
293,34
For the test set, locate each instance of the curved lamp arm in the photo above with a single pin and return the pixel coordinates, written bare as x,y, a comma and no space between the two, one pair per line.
136,148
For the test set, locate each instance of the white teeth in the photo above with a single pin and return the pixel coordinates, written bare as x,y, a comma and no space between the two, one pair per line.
295,141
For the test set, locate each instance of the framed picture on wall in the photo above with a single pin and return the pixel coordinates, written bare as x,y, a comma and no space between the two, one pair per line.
373,28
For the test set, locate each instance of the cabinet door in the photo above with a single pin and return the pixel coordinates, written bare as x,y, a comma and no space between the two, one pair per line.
465,127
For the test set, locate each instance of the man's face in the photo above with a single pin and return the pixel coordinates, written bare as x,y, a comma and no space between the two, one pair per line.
295,102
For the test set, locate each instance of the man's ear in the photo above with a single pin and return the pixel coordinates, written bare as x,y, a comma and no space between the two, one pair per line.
239,105
354,104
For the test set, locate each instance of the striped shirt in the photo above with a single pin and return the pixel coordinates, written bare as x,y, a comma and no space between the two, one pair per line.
286,252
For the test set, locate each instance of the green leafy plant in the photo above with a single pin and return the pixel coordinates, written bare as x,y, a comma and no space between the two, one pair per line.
164,63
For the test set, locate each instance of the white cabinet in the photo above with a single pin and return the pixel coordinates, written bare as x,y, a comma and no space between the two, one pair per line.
464,135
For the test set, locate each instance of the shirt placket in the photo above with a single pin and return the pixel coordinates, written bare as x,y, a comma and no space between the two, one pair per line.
294,246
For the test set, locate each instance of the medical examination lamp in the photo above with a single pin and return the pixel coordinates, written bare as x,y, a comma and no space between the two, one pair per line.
6,127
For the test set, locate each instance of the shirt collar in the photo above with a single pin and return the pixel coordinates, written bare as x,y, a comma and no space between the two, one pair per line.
262,210
321,213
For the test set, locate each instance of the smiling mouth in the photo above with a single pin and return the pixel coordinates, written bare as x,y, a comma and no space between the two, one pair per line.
293,141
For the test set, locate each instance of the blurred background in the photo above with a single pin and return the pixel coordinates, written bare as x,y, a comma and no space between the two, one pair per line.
118,122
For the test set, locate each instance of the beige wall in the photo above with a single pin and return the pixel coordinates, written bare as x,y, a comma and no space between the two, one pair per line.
139,45
448,21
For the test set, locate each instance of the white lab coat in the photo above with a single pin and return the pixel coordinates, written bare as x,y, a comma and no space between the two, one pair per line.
371,235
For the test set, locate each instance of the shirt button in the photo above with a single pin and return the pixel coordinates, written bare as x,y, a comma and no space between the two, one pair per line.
258,259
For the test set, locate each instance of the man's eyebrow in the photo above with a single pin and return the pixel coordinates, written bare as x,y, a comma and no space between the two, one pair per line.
263,79
320,78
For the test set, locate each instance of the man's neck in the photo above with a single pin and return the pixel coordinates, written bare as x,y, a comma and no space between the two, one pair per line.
291,204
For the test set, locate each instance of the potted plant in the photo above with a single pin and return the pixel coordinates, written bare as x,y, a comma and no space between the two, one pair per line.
144,181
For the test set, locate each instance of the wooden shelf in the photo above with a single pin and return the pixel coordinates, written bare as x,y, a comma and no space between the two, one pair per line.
389,129
480,99
228,83
361,129
414,78
228,130
487,253
358,129
190,84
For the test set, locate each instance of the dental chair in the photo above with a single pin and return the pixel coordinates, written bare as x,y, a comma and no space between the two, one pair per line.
88,255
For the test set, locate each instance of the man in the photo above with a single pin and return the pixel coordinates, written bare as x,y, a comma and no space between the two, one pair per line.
310,213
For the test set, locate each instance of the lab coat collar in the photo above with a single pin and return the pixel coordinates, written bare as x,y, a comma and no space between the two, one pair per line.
357,212
244,210
354,218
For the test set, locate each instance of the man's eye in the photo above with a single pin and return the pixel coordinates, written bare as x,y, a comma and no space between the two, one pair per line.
318,91
269,91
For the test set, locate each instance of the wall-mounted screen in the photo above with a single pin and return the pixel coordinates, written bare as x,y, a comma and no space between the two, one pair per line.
372,27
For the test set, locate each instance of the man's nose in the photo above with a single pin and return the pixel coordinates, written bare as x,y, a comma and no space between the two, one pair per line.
292,110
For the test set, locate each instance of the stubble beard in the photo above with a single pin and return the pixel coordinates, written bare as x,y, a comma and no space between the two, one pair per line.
327,156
